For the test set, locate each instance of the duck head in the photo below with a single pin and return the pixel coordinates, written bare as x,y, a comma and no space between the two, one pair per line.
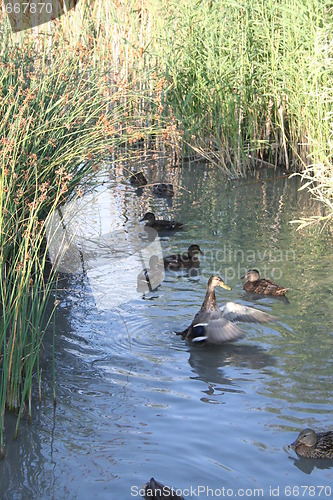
215,281
194,250
149,217
307,437
251,275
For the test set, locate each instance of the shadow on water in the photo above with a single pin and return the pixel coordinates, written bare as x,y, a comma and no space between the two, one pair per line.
208,362
307,465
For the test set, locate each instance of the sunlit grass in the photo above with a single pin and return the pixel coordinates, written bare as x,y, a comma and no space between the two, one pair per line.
61,113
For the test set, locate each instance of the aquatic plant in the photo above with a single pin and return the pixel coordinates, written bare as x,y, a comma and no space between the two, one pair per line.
58,120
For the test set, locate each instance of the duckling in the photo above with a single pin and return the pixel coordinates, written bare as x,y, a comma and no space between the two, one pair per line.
161,225
313,444
138,179
163,189
150,278
212,325
262,286
180,260
157,491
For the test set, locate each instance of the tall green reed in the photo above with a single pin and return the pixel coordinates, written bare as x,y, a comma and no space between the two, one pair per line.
249,81
59,117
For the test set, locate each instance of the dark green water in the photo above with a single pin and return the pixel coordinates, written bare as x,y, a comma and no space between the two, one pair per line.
134,401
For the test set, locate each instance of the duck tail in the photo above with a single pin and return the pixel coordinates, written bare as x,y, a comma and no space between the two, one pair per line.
183,333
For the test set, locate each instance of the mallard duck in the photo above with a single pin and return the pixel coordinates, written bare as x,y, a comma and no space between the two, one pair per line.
163,189
185,259
262,286
150,278
212,325
313,444
138,179
161,225
157,491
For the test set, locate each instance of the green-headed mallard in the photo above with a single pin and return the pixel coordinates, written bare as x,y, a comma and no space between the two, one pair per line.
262,286
163,189
212,325
313,444
150,278
186,259
138,179
161,225
157,491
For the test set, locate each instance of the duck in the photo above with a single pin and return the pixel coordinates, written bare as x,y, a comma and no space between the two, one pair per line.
180,260
149,279
160,224
212,325
163,189
313,444
262,286
138,179
157,491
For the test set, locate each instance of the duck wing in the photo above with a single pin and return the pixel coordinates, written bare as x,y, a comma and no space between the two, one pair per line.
236,312
210,327
167,225
172,261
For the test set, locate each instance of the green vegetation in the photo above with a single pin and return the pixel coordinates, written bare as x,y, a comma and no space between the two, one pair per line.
58,119
242,84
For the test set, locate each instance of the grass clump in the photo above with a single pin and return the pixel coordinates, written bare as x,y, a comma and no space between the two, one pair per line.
59,117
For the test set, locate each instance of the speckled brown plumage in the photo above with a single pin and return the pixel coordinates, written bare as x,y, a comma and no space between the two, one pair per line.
262,286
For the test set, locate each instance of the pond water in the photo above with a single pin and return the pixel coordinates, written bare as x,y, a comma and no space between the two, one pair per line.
135,401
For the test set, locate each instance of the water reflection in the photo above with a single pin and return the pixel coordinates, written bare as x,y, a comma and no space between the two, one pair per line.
207,362
126,384
26,471
307,465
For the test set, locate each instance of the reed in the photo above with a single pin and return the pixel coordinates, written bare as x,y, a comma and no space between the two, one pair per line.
58,121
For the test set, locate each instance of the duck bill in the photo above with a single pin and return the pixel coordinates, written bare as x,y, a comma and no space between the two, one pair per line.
243,277
293,445
224,285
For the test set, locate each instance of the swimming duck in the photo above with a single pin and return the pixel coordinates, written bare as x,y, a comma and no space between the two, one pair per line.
189,259
212,325
161,225
262,286
150,278
157,491
163,189
138,179
313,444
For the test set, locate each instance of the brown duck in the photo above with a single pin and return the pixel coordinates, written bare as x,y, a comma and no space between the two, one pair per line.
138,179
212,325
157,491
161,225
163,189
186,259
262,286
313,444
